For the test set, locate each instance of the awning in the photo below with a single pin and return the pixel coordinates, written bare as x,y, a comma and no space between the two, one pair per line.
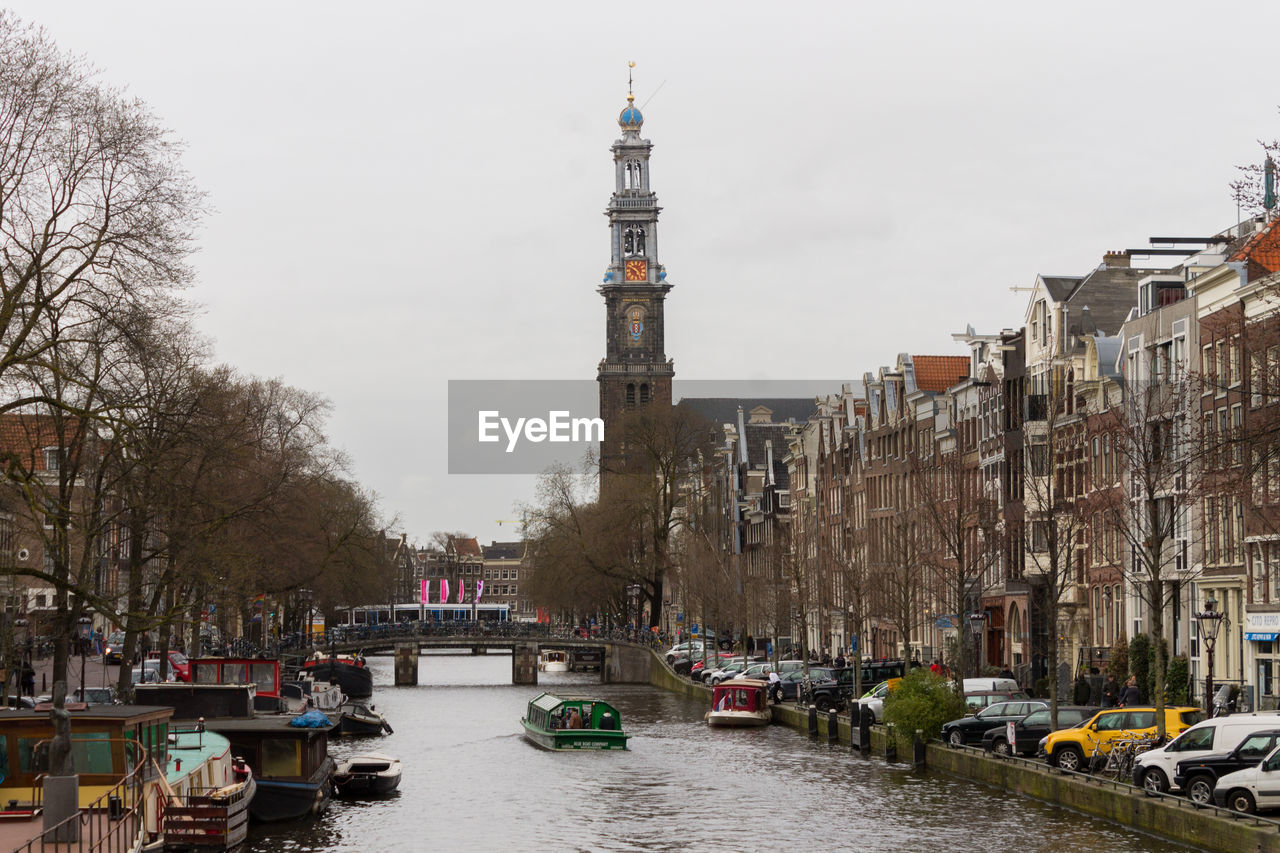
1261,637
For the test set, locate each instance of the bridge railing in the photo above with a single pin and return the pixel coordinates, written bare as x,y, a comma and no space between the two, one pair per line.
388,632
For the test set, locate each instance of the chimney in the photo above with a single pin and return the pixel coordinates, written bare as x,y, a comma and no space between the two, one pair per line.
1115,260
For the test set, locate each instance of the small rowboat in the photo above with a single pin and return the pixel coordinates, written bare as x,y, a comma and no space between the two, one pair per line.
371,774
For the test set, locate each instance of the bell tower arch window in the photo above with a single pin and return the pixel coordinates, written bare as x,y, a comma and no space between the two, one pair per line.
633,241
631,394
633,175
644,393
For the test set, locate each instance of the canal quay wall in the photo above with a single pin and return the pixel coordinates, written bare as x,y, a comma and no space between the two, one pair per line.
1171,817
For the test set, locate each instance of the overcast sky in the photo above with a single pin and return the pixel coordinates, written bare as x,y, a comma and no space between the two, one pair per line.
406,193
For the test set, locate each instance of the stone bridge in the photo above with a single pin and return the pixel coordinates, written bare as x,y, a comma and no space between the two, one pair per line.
621,662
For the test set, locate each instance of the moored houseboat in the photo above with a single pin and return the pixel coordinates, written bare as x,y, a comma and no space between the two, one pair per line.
262,673
206,793
573,722
291,764
131,764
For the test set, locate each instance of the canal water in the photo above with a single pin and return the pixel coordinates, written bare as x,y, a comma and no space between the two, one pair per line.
471,782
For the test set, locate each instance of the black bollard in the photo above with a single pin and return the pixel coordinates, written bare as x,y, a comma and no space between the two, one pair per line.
890,744
917,749
865,719
813,720
833,726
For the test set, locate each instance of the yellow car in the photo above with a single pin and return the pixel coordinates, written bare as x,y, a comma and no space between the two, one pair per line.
1071,749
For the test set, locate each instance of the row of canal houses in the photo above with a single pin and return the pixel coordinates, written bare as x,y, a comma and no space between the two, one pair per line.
1011,507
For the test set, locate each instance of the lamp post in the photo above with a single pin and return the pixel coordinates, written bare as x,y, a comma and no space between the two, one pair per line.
82,630
304,598
25,656
976,621
1210,620
633,593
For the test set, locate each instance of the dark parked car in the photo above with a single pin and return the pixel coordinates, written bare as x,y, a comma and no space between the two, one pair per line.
789,685
1031,728
971,729
1199,776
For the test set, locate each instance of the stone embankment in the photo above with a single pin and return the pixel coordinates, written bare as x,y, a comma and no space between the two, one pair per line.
1171,817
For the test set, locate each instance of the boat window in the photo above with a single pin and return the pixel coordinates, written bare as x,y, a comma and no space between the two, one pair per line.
264,675
162,743
205,673
281,757
25,746
92,752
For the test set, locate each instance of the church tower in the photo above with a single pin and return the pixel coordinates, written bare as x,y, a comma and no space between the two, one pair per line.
635,370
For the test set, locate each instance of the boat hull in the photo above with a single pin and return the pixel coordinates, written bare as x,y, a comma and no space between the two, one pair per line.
738,719
359,726
281,799
217,821
574,739
355,681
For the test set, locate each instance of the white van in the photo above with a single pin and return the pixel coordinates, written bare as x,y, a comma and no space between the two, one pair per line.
1154,769
990,685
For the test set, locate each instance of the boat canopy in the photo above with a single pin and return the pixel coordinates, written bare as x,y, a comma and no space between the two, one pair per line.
546,702
742,694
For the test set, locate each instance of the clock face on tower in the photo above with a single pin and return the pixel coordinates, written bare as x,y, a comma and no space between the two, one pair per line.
637,271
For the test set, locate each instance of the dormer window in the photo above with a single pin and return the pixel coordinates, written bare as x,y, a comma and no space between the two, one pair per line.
53,458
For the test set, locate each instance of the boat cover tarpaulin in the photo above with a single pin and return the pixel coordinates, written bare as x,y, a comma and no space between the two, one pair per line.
311,720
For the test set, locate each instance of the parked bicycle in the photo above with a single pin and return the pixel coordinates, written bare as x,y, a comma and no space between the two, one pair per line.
1119,759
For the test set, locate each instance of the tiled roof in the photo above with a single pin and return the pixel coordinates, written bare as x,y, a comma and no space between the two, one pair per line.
1059,286
504,551
466,547
1262,249
757,435
1109,293
939,372
26,436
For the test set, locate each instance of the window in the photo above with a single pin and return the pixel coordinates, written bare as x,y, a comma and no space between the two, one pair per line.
1234,356
1237,433
1194,739
53,458
1040,536
1206,365
1257,378
1039,460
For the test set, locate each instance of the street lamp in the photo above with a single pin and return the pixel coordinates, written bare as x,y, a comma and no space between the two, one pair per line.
81,640
304,598
977,620
1210,623
633,593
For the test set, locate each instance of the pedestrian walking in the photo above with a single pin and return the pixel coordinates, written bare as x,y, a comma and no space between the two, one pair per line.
28,679
1110,691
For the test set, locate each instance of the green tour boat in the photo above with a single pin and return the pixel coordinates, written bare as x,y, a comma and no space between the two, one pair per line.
573,722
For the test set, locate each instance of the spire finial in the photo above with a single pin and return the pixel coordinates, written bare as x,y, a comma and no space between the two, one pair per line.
630,94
